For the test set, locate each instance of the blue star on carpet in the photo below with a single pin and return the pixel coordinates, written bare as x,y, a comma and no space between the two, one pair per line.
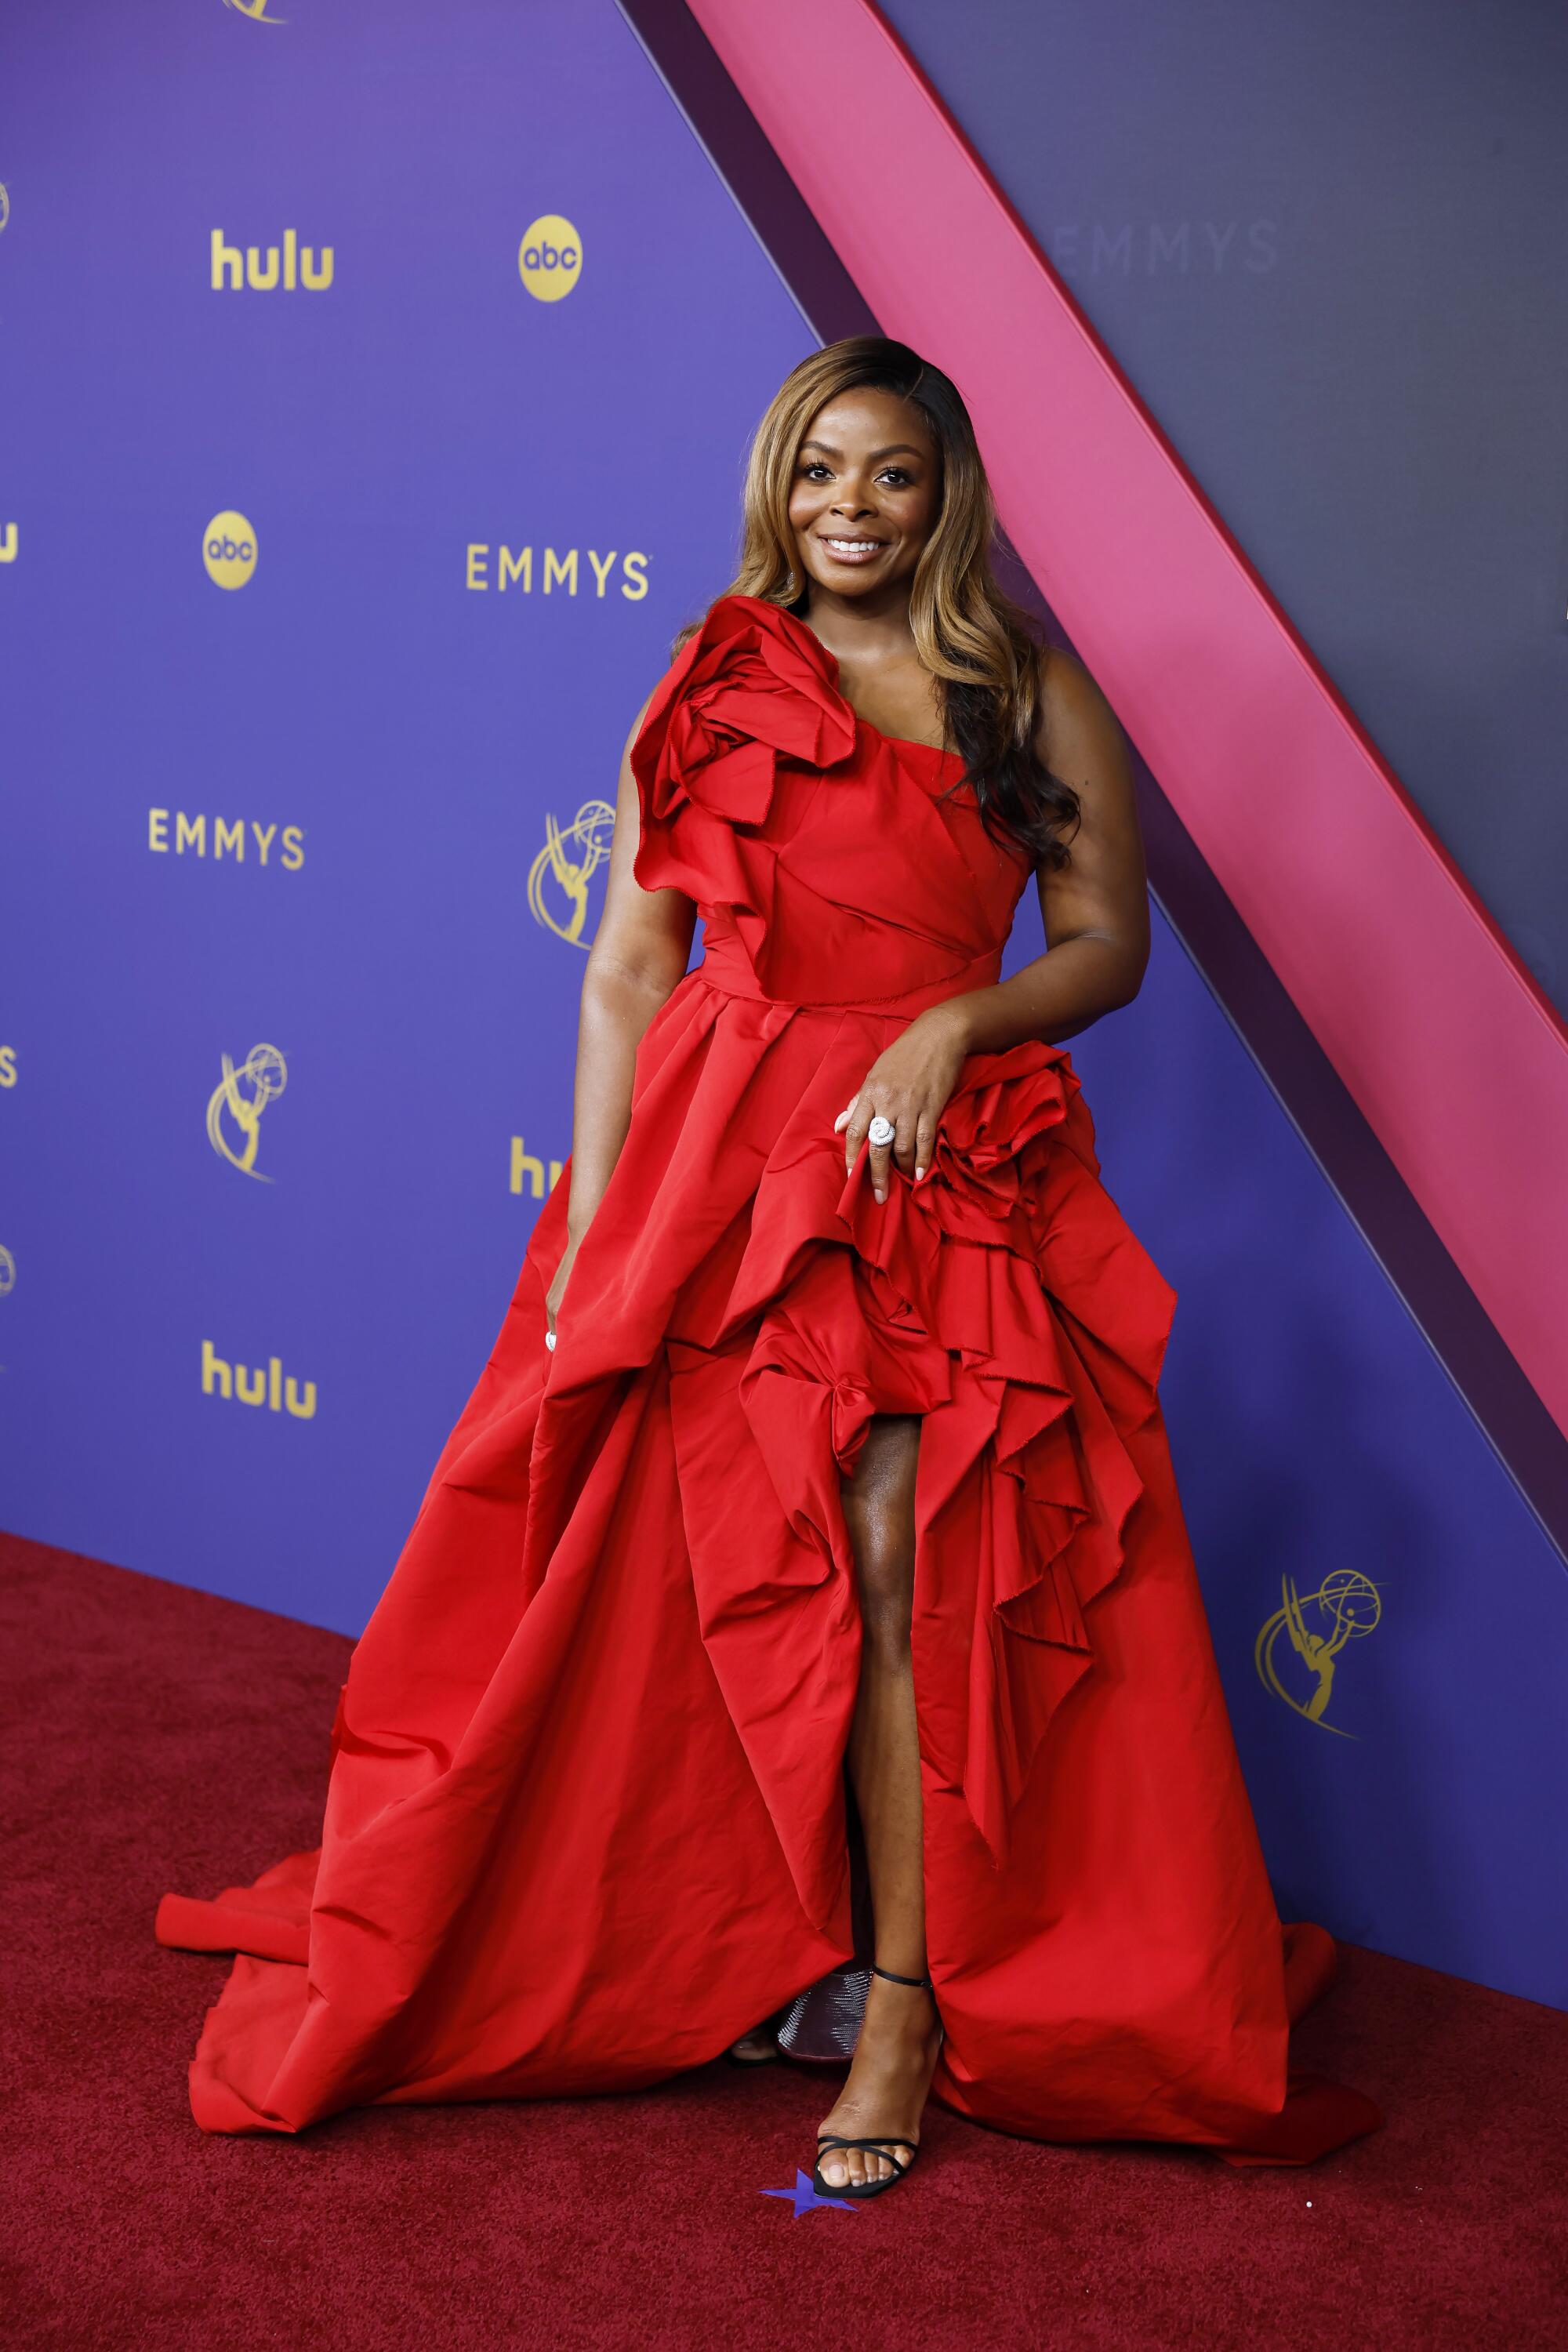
806,2200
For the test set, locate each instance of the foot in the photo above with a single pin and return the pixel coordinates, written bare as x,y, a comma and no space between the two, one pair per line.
754,2048
885,2095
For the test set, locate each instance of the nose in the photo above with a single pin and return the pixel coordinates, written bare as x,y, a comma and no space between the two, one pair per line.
851,503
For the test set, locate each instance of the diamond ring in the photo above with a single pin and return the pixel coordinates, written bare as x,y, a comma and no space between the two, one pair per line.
881,1130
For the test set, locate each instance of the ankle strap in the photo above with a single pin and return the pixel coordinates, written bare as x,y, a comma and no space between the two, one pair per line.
924,1983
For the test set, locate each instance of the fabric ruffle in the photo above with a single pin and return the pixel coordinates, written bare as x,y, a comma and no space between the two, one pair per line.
1007,1300
767,801
743,689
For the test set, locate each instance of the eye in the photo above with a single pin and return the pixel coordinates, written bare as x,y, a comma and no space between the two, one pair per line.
813,467
896,474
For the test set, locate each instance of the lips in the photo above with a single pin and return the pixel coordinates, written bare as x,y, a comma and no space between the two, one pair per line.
850,548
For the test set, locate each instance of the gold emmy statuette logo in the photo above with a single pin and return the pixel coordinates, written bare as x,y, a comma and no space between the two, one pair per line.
550,258
567,873
228,548
256,10
7,1271
238,1101
1349,1606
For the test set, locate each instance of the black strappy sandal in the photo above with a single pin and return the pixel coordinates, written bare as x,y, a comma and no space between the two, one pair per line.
883,2146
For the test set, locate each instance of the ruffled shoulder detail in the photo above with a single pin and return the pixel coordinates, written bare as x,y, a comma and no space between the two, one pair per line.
821,858
752,683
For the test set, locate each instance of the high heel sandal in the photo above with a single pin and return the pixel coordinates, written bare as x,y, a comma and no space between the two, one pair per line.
883,2146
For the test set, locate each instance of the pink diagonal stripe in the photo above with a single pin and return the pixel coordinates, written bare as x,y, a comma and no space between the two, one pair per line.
1455,1057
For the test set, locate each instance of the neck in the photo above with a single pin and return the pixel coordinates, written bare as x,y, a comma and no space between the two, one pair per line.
861,628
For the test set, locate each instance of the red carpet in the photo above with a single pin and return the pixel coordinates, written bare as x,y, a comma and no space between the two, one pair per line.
171,1740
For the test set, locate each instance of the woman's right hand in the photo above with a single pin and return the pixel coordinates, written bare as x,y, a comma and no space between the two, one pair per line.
557,1290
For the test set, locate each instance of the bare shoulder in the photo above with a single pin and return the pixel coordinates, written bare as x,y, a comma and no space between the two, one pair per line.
1078,736
636,726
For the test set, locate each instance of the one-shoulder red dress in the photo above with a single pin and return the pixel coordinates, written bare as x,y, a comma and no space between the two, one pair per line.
585,1822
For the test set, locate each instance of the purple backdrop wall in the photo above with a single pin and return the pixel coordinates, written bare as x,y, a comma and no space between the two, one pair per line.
424,717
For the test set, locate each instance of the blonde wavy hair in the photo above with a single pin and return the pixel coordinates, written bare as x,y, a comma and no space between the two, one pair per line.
979,645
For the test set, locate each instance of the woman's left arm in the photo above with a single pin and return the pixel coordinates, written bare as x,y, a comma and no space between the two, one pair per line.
1095,908
1096,914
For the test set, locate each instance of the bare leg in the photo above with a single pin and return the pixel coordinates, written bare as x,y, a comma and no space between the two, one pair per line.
896,2055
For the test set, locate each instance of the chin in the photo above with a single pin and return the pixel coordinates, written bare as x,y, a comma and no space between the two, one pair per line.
847,580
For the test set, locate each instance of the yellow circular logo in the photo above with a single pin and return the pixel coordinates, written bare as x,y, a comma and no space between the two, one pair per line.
228,548
550,258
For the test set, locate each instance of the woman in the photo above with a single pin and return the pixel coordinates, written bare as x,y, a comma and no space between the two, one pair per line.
819,1463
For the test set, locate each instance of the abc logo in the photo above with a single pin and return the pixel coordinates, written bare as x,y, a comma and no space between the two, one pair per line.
550,258
228,548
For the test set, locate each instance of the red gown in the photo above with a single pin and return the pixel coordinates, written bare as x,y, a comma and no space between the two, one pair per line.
585,1822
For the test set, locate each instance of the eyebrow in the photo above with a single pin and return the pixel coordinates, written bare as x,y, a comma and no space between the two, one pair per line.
893,449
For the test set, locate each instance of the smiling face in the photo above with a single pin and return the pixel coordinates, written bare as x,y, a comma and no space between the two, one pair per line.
866,494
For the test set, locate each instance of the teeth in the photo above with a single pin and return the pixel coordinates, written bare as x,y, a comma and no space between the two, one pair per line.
852,546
